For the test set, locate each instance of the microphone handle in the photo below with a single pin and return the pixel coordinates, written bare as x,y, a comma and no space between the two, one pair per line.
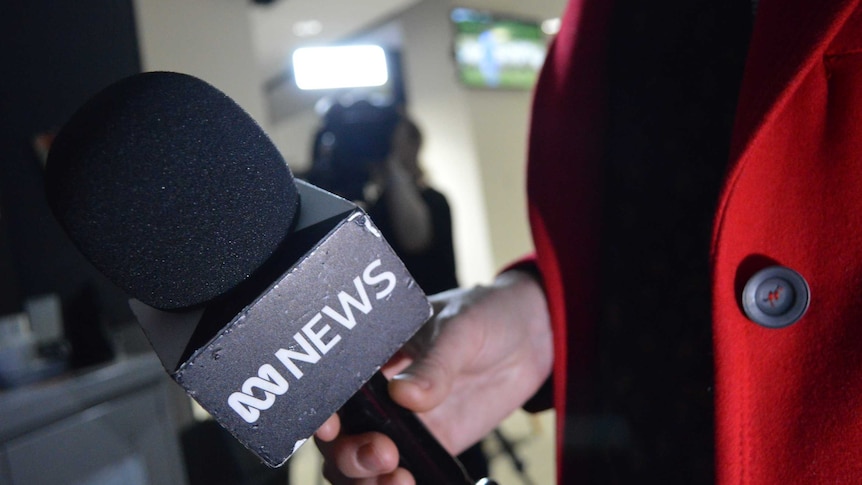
371,409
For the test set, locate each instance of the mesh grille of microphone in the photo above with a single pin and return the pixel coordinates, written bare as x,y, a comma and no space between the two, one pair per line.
170,189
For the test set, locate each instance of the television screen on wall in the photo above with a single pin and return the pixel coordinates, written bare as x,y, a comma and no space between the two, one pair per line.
497,51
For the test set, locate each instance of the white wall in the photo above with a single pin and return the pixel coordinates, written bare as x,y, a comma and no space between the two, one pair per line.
450,154
500,122
209,39
293,139
480,136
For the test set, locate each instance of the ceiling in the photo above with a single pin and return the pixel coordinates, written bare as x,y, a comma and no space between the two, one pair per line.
272,23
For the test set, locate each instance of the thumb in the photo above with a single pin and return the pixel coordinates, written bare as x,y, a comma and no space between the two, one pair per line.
441,350
425,383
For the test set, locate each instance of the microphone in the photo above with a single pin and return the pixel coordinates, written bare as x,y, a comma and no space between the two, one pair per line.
269,300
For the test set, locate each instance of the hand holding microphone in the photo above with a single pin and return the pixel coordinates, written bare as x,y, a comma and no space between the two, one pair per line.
486,351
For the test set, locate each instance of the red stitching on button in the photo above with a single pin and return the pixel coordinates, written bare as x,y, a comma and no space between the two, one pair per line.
774,296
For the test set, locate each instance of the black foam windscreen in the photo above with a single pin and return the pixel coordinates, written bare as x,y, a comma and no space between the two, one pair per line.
170,189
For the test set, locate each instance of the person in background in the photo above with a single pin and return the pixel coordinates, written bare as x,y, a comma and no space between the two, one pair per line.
414,217
695,197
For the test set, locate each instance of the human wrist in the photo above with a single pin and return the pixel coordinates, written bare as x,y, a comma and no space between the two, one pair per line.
526,289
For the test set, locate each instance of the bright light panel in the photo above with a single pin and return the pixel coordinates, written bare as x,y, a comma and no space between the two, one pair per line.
340,67
551,26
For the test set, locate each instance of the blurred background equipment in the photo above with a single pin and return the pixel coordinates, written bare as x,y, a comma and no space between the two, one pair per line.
350,66
352,139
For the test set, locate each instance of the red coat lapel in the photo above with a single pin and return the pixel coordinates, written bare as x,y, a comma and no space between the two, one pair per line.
788,36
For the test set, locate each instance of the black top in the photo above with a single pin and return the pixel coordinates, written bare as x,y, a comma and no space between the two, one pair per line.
674,74
434,268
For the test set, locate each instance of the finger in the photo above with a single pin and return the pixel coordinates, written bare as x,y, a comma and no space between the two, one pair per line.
396,364
361,456
330,428
399,477
424,384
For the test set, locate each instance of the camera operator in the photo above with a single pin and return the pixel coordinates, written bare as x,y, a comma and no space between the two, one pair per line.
369,154
414,217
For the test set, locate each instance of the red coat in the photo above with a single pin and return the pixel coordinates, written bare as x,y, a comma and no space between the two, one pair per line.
788,400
